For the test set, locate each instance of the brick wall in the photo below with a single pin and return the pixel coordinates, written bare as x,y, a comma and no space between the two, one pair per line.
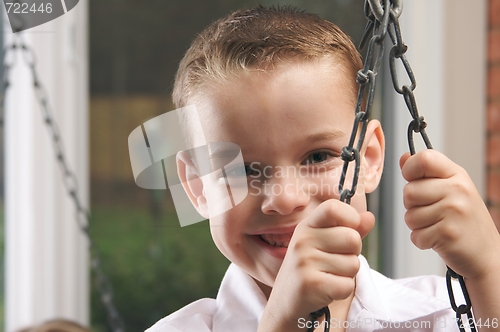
493,111
112,119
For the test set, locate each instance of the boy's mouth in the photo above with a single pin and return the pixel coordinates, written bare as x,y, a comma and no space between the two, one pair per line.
277,240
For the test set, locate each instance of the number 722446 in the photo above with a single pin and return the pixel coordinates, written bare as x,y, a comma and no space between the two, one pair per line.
22,8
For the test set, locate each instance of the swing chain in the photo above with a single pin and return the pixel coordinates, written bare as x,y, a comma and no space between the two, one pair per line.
463,308
379,25
378,10
366,80
115,321
398,51
418,125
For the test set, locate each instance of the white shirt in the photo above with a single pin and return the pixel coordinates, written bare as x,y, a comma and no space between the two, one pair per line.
379,303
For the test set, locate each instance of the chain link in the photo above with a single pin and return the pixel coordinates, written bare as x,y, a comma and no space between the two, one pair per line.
463,308
382,19
70,182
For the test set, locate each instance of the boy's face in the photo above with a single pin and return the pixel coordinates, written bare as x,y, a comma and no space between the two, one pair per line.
291,125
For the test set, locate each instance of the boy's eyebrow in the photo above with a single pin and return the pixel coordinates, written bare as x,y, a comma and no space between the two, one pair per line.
324,136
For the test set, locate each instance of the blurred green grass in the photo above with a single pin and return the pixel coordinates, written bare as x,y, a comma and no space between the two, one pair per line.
156,267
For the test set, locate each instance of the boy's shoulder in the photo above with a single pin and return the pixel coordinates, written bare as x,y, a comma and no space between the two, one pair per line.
238,307
196,316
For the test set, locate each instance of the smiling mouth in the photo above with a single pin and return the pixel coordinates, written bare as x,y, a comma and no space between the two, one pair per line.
277,240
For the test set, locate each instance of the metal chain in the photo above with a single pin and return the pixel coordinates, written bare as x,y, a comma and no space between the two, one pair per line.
366,80
383,19
418,125
115,321
463,308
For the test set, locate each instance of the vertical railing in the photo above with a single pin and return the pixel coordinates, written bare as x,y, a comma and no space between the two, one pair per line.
47,270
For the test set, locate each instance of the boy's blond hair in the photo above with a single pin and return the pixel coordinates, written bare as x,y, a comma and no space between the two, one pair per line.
260,38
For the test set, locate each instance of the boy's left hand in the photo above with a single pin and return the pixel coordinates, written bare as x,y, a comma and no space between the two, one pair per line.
446,213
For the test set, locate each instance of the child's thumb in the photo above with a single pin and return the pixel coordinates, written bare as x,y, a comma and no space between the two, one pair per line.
403,159
366,224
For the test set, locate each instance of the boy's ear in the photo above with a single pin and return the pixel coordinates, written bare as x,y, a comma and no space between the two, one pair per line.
191,182
372,155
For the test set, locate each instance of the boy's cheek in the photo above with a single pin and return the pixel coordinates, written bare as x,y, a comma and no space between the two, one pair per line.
226,232
255,187
222,195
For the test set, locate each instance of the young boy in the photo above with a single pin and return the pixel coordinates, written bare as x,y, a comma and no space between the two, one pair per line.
281,85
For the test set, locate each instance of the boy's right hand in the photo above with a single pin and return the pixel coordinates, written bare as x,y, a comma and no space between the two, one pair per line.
319,267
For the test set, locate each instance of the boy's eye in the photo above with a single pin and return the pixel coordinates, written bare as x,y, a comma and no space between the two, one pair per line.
318,157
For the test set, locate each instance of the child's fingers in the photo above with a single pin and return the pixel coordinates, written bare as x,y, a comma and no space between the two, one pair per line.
367,221
335,240
333,213
425,238
403,159
428,164
424,192
335,287
340,265
424,216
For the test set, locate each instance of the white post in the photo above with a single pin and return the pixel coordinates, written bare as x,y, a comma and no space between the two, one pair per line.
47,273
446,40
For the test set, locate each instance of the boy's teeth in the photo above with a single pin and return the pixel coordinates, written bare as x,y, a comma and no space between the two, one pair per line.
277,240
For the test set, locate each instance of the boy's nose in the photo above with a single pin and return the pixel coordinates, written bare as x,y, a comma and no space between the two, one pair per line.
284,196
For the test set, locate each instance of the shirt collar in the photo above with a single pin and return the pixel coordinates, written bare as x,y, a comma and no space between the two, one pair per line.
240,302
